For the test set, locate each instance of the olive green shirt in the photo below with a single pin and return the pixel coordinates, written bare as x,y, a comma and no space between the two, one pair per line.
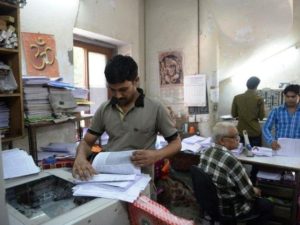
248,108
136,129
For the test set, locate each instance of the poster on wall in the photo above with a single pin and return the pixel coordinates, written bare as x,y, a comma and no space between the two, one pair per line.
195,90
171,80
40,54
170,68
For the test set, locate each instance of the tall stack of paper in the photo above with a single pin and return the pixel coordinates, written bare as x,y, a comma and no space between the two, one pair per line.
81,97
4,118
17,163
36,101
118,178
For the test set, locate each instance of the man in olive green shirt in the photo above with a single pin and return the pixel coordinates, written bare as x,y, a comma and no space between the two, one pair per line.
131,119
248,108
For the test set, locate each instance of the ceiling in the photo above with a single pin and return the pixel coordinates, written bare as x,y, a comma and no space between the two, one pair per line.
244,26
252,20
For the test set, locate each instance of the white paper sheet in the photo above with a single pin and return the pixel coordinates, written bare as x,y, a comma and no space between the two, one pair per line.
115,162
124,181
17,163
268,175
195,90
289,147
129,195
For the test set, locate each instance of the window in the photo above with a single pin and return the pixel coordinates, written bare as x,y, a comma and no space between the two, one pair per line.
89,64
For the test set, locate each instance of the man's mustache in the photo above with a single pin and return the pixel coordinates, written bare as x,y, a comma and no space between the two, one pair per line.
118,100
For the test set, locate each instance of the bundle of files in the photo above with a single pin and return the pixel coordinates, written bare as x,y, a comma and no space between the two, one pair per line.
80,94
195,143
4,118
118,178
58,151
81,98
36,101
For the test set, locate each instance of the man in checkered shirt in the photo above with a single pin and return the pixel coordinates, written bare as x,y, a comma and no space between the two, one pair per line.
234,187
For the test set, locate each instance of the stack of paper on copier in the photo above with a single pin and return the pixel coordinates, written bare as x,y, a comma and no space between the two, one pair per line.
118,178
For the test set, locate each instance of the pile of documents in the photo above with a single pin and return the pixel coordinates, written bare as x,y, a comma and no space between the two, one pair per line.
59,150
118,178
262,151
195,143
17,163
36,102
4,118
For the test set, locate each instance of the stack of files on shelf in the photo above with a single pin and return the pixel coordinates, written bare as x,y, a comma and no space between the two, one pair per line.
81,97
195,143
17,163
268,175
38,80
59,150
118,178
4,118
36,99
60,84
80,94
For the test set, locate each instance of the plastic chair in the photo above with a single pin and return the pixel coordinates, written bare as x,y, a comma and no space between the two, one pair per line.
206,194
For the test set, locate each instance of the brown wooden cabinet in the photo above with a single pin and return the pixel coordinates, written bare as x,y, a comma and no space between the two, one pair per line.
12,57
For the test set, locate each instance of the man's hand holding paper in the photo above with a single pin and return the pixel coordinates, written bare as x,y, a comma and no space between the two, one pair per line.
144,158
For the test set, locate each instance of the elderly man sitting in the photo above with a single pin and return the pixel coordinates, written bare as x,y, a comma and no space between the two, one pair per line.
230,177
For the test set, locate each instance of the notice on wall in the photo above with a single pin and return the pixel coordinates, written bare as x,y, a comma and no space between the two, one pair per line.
195,90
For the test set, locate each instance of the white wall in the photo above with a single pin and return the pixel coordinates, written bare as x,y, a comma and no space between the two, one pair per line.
282,66
170,25
121,20
144,28
53,17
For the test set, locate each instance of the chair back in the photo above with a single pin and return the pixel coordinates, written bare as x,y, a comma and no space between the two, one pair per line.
205,192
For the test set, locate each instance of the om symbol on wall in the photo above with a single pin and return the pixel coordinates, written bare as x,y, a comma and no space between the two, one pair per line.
40,54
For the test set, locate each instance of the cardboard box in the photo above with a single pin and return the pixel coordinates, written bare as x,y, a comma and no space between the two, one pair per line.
146,211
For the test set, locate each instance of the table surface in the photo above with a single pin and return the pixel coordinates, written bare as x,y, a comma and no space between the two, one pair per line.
283,162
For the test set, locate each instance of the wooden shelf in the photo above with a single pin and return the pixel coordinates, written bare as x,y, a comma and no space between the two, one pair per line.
8,50
8,5
12,57
32,129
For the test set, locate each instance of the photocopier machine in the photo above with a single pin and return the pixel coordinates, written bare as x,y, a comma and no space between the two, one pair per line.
46,198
